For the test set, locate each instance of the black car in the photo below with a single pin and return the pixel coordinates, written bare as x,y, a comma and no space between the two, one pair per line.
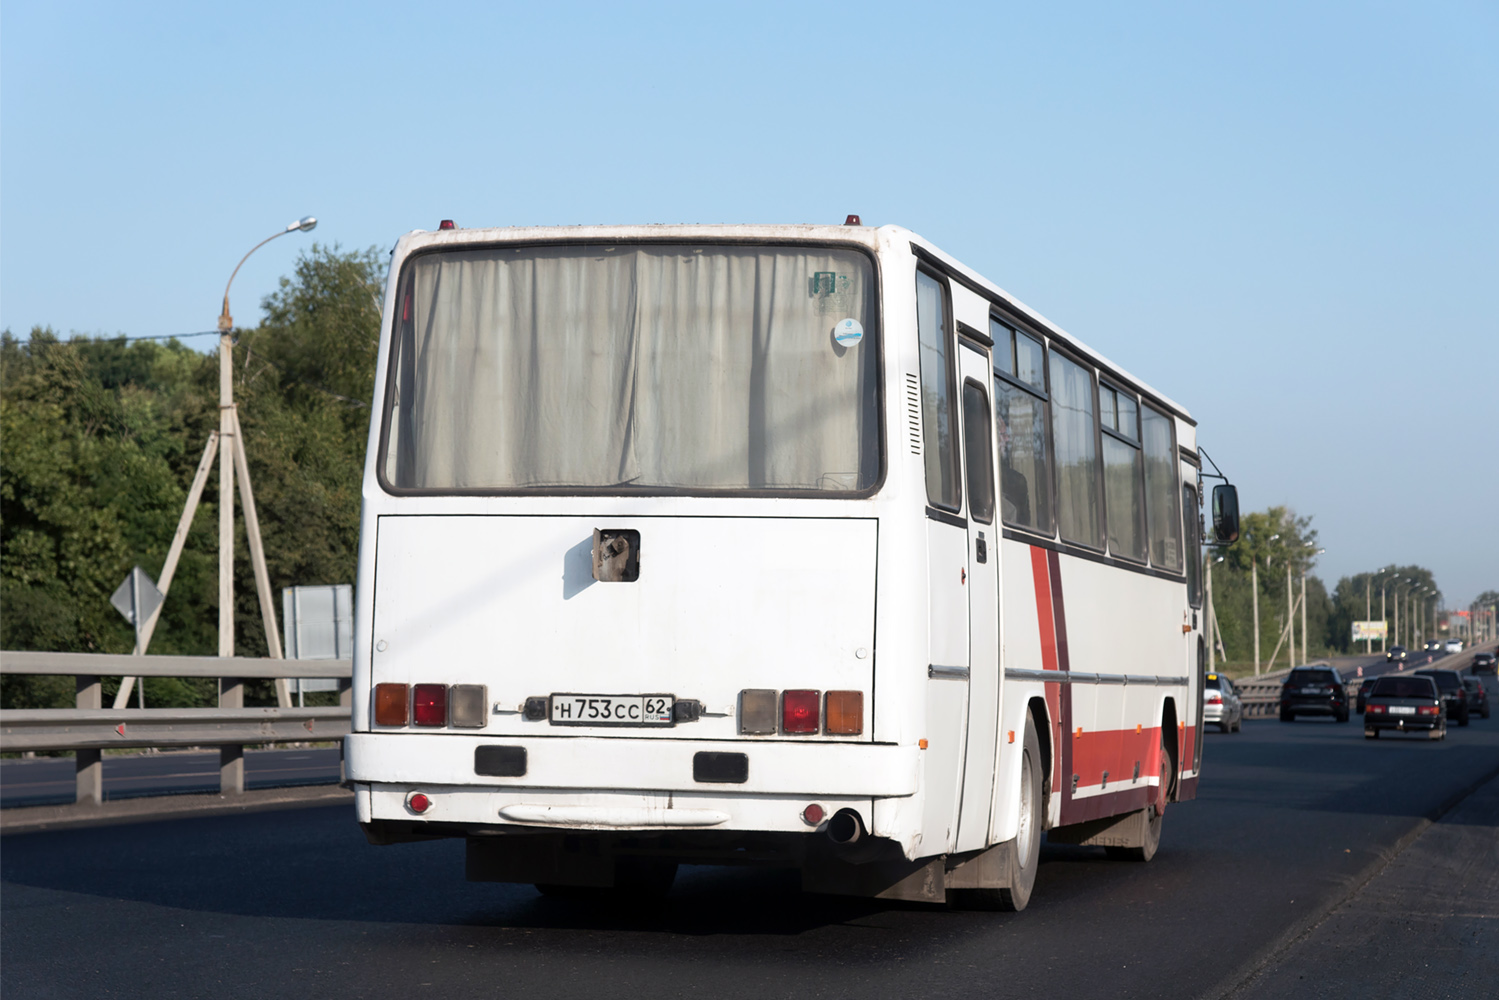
1483,663
1478,697
1395,653
1363,694
1454,695
1313,691
1405,703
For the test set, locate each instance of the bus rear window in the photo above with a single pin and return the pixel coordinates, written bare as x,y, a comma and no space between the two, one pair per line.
634,368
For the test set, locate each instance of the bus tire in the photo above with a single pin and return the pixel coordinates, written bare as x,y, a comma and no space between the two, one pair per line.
1025,857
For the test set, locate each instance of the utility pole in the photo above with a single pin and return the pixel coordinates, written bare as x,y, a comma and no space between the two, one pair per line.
1368,610
1254,590
1303,617
1290,619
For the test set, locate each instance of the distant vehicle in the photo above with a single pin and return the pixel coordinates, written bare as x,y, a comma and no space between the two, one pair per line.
1433,646
1405,704
1221,704
1454,645
1363,694
1484,663
1478,697
1395,653
1313,691
1454,695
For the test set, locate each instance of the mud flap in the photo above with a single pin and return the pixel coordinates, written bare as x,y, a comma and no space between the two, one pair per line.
1129,830
891,876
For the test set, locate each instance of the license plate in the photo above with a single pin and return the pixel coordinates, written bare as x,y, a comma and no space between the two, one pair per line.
611,709
1402,710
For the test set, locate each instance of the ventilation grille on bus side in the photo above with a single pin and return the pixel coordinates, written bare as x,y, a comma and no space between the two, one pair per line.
913,411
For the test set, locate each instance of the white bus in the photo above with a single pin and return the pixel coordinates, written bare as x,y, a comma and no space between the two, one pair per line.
784,545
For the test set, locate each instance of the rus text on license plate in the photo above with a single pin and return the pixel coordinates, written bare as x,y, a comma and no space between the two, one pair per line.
1402,710
611,709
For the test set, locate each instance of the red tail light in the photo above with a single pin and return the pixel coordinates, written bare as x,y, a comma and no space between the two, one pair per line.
1374,709
799,712
429,704
1428,710
446,224
1215,699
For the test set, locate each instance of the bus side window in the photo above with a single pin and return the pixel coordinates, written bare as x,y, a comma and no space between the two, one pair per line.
939,417
1160,490
1194,545
978,452
1075,443
1023,427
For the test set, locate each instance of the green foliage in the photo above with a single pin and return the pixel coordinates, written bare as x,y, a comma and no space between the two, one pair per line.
101,439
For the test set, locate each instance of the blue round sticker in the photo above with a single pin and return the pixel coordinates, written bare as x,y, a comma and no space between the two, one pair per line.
848,332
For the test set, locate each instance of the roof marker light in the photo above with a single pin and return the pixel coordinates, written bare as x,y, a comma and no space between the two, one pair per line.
852,220
446,224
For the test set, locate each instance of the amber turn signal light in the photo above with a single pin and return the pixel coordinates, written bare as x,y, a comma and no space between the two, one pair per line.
391,705
845,713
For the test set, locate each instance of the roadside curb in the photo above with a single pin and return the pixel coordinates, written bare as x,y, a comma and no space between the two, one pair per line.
34,819
1249,971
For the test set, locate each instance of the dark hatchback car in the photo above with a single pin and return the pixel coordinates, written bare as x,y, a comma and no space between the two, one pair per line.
1484,663
1454,695
1395,653
1313,691
1363,694
1405,704
1478,697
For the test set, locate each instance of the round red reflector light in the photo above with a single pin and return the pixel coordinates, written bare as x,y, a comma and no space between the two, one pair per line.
418,803
813,814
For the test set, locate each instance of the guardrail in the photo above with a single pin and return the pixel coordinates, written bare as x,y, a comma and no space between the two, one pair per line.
89,728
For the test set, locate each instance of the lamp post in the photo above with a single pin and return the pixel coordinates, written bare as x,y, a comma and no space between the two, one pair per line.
229,444
1254,592
1313,553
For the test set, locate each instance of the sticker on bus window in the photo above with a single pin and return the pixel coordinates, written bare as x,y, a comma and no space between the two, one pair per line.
848,332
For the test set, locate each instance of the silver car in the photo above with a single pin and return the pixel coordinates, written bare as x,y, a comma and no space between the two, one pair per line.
1221,704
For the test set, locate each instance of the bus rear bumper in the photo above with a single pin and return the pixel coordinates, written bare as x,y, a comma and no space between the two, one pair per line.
617,784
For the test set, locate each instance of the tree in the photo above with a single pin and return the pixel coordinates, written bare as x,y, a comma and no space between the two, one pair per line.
102,437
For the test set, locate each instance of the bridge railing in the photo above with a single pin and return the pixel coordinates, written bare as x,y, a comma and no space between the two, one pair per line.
89,728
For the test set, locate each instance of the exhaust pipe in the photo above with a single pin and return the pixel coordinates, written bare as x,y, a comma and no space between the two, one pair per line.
846,827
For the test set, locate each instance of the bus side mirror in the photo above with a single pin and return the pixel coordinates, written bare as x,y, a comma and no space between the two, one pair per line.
1225,514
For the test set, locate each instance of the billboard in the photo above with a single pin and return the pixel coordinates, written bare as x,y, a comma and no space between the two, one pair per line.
1370,631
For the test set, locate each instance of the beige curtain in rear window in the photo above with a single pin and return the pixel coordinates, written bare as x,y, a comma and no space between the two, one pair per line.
636,367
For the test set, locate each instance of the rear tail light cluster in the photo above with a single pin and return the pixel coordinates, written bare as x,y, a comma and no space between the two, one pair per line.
1215,699
765,711
1428,709
461,706
1374,709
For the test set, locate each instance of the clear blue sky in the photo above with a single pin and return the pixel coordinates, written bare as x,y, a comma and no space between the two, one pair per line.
1284,215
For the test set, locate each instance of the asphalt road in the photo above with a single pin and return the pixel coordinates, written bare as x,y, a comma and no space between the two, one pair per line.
1293,820
49,780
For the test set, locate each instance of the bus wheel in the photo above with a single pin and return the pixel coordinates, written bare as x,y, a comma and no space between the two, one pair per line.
1025,852
1155,816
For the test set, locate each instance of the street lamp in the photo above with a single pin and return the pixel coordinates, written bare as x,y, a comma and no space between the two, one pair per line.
1254,591
1313,553
228,442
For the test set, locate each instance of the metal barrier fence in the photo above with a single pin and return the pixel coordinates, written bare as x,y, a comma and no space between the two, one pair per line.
89,728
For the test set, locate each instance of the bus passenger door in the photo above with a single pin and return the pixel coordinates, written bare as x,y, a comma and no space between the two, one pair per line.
983,600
